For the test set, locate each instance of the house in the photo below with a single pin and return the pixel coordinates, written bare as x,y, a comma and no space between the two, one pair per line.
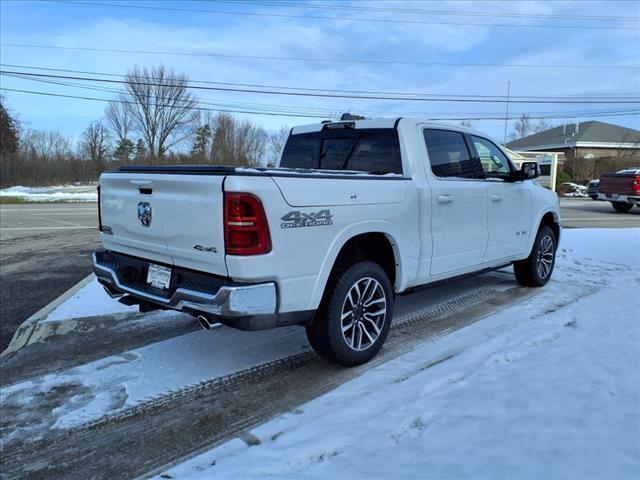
591,140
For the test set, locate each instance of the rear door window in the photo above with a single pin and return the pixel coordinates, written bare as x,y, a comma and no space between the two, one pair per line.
449,154
367,150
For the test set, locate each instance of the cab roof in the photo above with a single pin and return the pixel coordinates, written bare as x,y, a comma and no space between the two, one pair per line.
391,122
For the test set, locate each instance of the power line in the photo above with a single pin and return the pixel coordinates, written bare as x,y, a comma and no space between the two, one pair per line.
346,19
256,106
501,118
634,95
307,109
327,95
334,6
49,94
321,60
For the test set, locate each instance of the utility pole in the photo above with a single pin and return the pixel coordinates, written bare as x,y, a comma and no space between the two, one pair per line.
506,116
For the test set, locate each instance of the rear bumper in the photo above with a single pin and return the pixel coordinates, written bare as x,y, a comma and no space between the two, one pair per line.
632,199
244,306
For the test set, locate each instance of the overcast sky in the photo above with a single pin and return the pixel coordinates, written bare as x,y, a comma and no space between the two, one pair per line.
415,35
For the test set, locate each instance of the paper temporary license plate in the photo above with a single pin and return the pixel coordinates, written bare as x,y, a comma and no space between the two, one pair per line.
159,276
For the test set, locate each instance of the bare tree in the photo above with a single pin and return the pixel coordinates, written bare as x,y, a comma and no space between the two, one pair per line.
161,107
50,145
522,127
235,143
121,124
120,120
541,125
277,141
94,144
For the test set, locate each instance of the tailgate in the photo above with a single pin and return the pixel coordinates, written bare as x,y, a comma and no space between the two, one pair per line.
616,183
169,218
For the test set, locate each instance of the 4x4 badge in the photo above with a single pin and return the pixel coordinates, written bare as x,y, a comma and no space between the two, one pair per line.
297,218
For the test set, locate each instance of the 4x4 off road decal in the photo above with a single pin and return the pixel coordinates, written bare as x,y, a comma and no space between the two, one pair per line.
301,219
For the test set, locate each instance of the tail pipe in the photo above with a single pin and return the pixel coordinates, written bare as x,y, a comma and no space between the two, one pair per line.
207,324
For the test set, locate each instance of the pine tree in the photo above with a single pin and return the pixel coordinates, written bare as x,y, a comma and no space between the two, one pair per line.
8,131
201,143
124,150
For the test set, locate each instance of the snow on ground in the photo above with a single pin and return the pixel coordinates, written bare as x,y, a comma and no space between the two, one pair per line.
66,193
110,384
575,190
549,388
90,300
124,380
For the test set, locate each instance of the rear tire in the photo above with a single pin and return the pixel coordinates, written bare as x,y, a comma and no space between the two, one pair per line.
536,269
354,318
621,207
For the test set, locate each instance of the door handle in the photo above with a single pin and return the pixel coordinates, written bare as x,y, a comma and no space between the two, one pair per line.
445,198
496,198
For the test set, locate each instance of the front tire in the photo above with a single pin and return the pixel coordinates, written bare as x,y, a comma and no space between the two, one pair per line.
354,318
621,206
536,269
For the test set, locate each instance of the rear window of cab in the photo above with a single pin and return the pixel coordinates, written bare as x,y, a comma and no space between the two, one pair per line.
374,151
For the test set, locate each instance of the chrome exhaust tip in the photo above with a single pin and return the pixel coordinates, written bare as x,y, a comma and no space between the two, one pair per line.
112,293
207,324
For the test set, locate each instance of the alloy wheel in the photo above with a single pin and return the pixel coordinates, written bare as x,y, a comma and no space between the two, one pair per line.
545,257
363,313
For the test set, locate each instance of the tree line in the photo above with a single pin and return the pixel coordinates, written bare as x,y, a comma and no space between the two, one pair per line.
155,120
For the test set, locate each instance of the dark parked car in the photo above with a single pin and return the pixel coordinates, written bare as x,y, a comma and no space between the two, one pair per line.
592,189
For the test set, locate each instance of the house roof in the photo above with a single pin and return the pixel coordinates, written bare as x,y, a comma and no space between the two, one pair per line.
583,134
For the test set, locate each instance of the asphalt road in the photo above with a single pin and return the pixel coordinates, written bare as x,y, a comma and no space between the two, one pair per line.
587,213
45,249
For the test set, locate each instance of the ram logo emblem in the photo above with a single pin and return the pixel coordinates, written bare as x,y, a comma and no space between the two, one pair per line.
144,213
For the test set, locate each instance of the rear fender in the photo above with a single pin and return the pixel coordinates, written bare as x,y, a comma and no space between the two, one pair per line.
341,239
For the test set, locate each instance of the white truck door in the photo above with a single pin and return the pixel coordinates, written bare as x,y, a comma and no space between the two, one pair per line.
458,203
509,205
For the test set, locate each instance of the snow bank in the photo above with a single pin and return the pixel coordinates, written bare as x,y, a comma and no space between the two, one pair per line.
65,193
575,190
548,388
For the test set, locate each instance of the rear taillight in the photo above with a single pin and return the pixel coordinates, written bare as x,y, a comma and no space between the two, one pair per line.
99,211
636,184
246,231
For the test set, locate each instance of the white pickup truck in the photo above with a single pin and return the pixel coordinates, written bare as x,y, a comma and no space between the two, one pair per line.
356,213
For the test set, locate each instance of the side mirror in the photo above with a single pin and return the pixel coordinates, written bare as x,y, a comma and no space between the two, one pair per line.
529,170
